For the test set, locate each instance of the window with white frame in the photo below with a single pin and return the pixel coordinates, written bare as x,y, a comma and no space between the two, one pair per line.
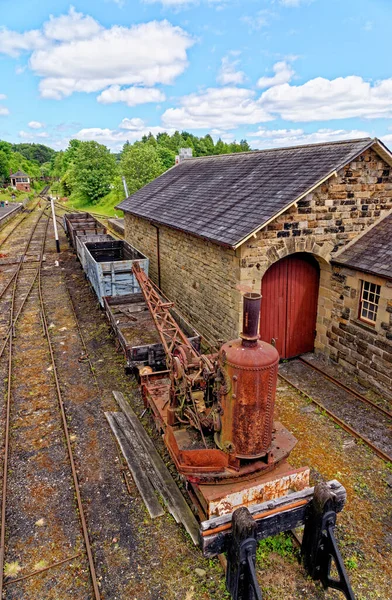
370,298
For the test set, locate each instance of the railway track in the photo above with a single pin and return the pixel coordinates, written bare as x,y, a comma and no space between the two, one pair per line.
27,285
25,213
353,412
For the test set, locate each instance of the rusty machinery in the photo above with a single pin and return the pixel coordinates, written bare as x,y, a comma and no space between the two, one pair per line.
216,412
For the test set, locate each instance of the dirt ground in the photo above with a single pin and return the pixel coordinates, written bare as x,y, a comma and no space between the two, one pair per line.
137,558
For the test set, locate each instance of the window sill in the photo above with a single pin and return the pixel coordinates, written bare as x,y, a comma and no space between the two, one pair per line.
365,326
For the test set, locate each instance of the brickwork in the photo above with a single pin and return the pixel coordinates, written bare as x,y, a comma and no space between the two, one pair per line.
199,276
362,349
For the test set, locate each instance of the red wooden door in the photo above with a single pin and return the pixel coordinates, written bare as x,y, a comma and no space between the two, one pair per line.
289,305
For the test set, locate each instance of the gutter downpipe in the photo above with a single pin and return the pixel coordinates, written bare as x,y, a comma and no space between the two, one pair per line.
158,256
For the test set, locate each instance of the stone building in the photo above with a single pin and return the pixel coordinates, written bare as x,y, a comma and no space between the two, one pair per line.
359,321
20,181
270,221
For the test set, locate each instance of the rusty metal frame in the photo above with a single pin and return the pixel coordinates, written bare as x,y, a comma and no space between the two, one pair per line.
169,331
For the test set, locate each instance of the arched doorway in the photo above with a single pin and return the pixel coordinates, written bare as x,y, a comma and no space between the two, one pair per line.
289,306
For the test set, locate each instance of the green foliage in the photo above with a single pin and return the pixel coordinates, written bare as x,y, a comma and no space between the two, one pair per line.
6,147
91,172
281,544
352,562
4,165
18,162
35,152
167,156
140,163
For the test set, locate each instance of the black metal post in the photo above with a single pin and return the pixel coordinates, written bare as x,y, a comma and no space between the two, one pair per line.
241,579
319,547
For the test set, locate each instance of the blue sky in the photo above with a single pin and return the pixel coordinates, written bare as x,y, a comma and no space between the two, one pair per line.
276,72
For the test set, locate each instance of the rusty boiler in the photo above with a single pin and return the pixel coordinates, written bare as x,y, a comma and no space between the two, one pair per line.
249,371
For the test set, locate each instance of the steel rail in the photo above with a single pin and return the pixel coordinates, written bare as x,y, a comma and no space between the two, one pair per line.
25,215
8,402
40,195
341,423
347,389
16,275
69,447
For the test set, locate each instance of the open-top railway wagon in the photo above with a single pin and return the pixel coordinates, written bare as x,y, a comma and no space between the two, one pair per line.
108,266
81,223
135,330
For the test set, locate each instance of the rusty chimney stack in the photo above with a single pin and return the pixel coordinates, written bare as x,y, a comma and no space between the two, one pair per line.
250,333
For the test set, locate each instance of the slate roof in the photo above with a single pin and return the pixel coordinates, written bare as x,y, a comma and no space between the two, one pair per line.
226,198
19,174
372,252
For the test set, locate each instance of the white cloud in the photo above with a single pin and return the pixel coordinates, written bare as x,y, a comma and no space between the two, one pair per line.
13,42
228,73
131,96
24,134
258,21
35,125
129,130
323,99
294,2
144,54
283,74
134,124
316,100
275,138
74,53
3,96
219,108
73,26
32,135
174,3
4,111
185,3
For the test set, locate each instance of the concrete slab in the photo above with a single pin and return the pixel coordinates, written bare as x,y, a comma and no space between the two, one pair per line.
6,212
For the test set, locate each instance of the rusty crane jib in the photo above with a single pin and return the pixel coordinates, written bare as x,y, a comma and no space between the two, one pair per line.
171,335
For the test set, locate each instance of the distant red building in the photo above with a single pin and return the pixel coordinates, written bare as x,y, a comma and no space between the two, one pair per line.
20,181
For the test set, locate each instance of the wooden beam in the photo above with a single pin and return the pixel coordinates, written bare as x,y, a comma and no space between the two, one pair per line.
131,453
271,518
161,477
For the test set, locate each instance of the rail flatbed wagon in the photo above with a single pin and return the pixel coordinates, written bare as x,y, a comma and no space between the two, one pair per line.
135,329
108,266
76,224
81,240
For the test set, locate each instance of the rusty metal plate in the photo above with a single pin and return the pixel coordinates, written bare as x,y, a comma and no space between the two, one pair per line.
223,499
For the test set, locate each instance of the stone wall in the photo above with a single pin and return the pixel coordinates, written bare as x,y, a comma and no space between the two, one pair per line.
362,349
200,277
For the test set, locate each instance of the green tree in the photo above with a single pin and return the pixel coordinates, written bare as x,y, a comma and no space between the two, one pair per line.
6,147
35,152
140,164
92,170
4,166
166,156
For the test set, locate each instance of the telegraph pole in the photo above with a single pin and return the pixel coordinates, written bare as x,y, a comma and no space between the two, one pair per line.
56,235
125,186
